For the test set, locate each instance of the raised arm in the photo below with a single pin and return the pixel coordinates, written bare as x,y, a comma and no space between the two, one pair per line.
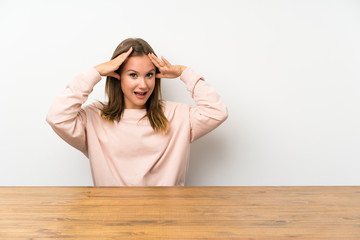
210,110
66,115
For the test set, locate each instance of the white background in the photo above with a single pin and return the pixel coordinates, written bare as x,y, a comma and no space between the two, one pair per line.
287,70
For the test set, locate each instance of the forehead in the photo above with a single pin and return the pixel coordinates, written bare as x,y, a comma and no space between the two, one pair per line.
139,63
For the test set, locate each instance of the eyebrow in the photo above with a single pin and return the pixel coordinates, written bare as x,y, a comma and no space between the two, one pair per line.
131,70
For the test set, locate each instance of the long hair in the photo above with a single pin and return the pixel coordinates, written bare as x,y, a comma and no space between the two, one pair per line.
113,110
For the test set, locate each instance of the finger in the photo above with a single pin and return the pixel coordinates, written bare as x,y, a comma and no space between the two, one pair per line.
167,63
125,54
153,60
128,51
122,57
159,62
115,75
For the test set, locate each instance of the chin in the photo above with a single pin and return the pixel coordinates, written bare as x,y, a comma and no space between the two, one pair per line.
140,104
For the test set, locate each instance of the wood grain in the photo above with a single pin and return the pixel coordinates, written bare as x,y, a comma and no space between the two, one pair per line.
180,213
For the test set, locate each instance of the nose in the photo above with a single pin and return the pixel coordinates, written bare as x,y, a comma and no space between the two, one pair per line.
142,83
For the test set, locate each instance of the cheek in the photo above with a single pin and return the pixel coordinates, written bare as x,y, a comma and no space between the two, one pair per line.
152,84
125,84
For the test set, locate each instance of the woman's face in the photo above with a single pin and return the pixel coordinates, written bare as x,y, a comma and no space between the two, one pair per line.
137,81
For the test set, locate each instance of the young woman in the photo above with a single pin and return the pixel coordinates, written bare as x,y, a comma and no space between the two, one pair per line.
135,139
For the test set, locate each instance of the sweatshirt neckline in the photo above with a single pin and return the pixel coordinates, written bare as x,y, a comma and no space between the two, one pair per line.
133,113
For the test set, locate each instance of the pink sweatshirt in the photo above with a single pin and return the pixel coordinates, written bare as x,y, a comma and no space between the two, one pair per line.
129,152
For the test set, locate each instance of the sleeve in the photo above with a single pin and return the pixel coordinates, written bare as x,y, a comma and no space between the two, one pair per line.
66,116
210,110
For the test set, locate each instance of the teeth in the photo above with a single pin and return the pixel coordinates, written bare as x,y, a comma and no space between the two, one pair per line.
140,93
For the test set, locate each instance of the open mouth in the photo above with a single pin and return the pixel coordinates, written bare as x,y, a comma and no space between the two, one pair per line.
140,93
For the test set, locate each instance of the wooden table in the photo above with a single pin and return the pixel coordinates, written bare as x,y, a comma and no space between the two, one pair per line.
180,213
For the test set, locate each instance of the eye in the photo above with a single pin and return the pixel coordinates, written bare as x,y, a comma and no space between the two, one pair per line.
133,75
149,75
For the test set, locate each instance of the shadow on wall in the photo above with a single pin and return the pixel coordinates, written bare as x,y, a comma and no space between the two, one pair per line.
207,158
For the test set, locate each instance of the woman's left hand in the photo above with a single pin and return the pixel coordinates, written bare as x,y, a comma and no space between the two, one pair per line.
166,69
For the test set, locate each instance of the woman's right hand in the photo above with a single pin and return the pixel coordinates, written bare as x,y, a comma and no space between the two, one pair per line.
109,68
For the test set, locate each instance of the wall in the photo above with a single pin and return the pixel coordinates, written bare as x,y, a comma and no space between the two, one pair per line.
287,70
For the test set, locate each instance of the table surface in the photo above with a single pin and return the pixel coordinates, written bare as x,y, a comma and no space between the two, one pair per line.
331,212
